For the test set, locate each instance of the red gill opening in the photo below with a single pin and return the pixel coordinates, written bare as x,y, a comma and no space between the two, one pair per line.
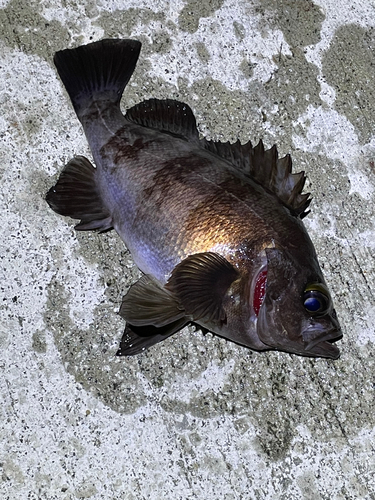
259,290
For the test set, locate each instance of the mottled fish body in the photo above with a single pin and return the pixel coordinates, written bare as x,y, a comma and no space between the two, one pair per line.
216,228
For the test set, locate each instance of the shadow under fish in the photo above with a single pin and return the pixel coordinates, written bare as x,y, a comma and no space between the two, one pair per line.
215,227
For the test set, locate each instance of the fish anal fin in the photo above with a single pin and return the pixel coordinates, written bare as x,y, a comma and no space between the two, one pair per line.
100,225
168,116
267,169
200,283
76,195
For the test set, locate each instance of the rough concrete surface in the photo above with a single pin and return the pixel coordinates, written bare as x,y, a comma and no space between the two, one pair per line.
195,416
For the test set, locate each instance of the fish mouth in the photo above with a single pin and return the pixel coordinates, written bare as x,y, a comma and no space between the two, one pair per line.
321,343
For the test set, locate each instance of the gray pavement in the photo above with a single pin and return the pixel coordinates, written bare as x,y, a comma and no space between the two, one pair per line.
195,417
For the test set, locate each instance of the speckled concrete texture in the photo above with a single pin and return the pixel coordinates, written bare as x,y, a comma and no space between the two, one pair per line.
195,417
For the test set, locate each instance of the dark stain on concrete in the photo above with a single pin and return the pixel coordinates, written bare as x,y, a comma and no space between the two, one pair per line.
348,66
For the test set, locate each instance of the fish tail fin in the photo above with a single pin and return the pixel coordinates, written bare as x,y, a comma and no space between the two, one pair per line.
98,71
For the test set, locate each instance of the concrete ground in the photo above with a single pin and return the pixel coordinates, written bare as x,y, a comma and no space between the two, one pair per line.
195,417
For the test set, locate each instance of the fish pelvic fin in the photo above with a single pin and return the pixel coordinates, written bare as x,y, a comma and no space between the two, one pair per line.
195,291
137,339
149,303
98,71
152,314
76,194
267,169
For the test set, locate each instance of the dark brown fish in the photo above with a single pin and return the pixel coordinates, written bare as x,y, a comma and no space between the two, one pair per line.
216,228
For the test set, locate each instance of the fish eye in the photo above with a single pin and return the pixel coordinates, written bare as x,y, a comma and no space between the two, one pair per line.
316,298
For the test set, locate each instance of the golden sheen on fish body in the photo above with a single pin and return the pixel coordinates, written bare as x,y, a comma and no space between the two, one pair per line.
216,228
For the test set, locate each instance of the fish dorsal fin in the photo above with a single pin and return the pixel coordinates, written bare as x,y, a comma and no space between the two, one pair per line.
200,283
168,116
266,168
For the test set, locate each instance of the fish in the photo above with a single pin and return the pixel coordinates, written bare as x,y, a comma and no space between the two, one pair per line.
215,228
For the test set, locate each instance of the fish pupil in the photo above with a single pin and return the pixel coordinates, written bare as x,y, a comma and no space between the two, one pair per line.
312,304
259,291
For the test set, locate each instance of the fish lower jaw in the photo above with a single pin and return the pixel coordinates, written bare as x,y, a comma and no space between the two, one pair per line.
321,344
324,350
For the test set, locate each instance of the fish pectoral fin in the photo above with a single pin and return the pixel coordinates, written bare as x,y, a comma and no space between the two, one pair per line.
137,339
76,194
148,303
200,283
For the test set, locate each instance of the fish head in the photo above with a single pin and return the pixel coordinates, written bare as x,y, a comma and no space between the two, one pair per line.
296,314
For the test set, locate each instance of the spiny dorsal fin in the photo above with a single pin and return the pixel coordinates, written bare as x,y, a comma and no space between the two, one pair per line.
168,116
265,167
